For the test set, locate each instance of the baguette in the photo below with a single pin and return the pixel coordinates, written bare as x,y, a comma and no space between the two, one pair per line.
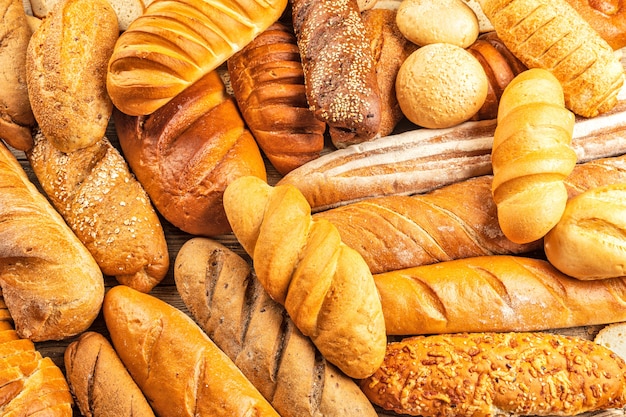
51,284
96,376
497,374
178,368
224,297
106,207
325,287
497,293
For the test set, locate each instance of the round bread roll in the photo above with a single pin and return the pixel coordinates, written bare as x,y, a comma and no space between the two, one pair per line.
589,242
449,21
441,85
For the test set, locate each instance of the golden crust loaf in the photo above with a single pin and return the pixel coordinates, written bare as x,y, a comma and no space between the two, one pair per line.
607,17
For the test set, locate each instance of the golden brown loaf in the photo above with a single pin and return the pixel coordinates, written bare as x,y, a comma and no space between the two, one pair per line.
106,207
66,65
99,382
607,17
51,284
531,155
339,68
489,374
326,287
174,43
550,34
495,293
589,241
268,83
175,364
16,116
188,151
223,295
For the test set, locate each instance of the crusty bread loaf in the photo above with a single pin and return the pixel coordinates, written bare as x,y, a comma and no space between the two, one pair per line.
224,297
497,374
188,151
326,287
66,66
126,10
50,282
607,17
106,207
589,240
495,293
268,83
339,68
99,382
531,155
175,364
551,35
174,43
16,115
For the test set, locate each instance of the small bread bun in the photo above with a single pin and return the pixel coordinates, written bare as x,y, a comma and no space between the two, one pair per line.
449,21
441,85
589,241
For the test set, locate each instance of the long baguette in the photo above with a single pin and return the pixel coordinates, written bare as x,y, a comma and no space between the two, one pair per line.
421,160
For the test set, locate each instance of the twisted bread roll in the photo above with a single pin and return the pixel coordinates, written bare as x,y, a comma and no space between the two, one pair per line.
497,374
51,284
223,295
268,82
325,286
550,34
531,155
176,42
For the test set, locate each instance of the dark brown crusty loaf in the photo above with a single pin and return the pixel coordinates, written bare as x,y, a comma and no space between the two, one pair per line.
106,207
497,374
188,151
339,69
223,295
100,384
268,83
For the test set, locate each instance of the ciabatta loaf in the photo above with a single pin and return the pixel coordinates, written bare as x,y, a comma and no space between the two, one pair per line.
51,284
497,374
175,364
226,299
326,287
174,43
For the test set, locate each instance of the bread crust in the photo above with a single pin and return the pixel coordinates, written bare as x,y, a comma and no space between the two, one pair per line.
607,17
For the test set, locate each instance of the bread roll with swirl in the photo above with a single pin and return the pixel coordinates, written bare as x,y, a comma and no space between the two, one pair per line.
325,286
531,155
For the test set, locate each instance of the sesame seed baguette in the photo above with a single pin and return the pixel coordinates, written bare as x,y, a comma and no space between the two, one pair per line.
106,207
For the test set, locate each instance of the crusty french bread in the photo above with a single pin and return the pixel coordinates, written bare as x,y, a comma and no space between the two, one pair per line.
106,207
339,68
325,286
188,151
175,364
497,374
16,115
421,160
495,293
224,297
66,65
51,284
174,43
99,382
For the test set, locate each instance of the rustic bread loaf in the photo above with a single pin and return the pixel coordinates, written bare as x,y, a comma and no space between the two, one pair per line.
16,115
174,43
497,374
106,207
66,66
607,17
50,282
175,364
326,287
224,297
126,10
99,382
188,151
268,83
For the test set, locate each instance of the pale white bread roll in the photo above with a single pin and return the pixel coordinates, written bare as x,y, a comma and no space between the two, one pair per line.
589,241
